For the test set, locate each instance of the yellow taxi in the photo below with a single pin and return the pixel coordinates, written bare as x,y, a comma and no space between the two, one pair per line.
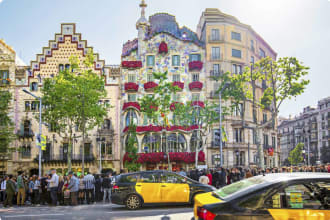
283,196
155,187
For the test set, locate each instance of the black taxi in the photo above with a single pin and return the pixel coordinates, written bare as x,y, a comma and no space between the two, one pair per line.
280,196
155,187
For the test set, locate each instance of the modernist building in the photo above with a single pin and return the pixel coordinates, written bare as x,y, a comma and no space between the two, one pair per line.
231,46
161,45
312,128
48,63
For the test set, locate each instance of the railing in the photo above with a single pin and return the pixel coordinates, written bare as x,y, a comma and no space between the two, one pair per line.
216,73
64,158
213,39
216,58
25,134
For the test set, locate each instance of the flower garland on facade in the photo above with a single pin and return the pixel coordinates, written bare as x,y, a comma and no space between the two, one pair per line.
131,104
150,85
195,85
158,128
178,84
161,157
163,48
131,64
131,86
195,65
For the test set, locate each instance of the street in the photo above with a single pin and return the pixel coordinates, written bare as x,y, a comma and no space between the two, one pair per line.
95,212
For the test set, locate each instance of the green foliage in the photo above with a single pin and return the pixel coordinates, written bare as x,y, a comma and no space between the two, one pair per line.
296,155
131,149
6,125
71,98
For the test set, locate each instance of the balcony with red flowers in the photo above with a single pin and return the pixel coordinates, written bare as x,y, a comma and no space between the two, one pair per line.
173,105
131,86
134,105
195,65
178,84
150,85
131,64
157,128
198,103
196,85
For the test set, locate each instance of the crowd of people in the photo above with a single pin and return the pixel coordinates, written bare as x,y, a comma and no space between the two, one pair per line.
54,190
220,177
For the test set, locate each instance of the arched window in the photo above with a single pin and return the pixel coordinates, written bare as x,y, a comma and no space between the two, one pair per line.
131,117
151,143
194,142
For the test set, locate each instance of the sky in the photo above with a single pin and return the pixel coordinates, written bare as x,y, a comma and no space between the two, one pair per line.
299,28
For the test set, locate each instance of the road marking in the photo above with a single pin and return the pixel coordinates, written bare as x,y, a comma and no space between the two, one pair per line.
17,216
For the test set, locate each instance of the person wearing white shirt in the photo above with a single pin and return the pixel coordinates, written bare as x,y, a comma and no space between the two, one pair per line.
3,189
53,185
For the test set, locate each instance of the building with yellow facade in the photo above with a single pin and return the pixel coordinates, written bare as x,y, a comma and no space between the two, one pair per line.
230,47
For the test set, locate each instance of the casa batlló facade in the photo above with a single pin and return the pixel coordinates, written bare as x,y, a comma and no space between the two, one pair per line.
161,45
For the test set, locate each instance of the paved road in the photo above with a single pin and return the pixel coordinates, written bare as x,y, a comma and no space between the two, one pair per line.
95,212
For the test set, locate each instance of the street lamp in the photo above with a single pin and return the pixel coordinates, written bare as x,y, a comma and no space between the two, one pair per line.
40,124
220,122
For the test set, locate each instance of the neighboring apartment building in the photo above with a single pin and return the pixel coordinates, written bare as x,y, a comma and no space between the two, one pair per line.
161,46
312,128
54,58
230,47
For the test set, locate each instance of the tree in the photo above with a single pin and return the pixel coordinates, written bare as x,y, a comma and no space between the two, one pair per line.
281,80
187,114
295,156
157,106
132,164
6,126
72,99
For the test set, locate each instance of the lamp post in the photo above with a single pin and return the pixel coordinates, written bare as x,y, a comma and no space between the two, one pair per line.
220,122
40,124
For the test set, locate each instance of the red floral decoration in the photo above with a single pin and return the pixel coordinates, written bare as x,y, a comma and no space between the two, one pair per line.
150,85
198,103
131,86
271,151
127,158
131,104
195,65
131,64
195,85
178,84
156,128
172,106
158,157
162,48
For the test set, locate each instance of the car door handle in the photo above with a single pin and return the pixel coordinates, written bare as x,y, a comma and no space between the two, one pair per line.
138,185
163,186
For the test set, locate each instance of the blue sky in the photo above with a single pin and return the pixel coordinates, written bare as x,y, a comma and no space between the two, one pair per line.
298,28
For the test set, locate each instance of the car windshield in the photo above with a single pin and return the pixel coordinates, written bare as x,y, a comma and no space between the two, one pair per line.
229,190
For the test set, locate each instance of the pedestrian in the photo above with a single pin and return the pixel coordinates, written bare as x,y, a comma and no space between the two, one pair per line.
30,189
209,175
107,186
204,179
222,177
20,188
98,186
248,174
60,190
53,184
81,192
36,190
182,172
89,181
73,187
3,188
66,191
10,192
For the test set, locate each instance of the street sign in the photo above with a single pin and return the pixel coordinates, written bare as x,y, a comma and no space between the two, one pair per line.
41,141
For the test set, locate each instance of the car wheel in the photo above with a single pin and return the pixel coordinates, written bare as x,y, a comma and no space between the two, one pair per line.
133,202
